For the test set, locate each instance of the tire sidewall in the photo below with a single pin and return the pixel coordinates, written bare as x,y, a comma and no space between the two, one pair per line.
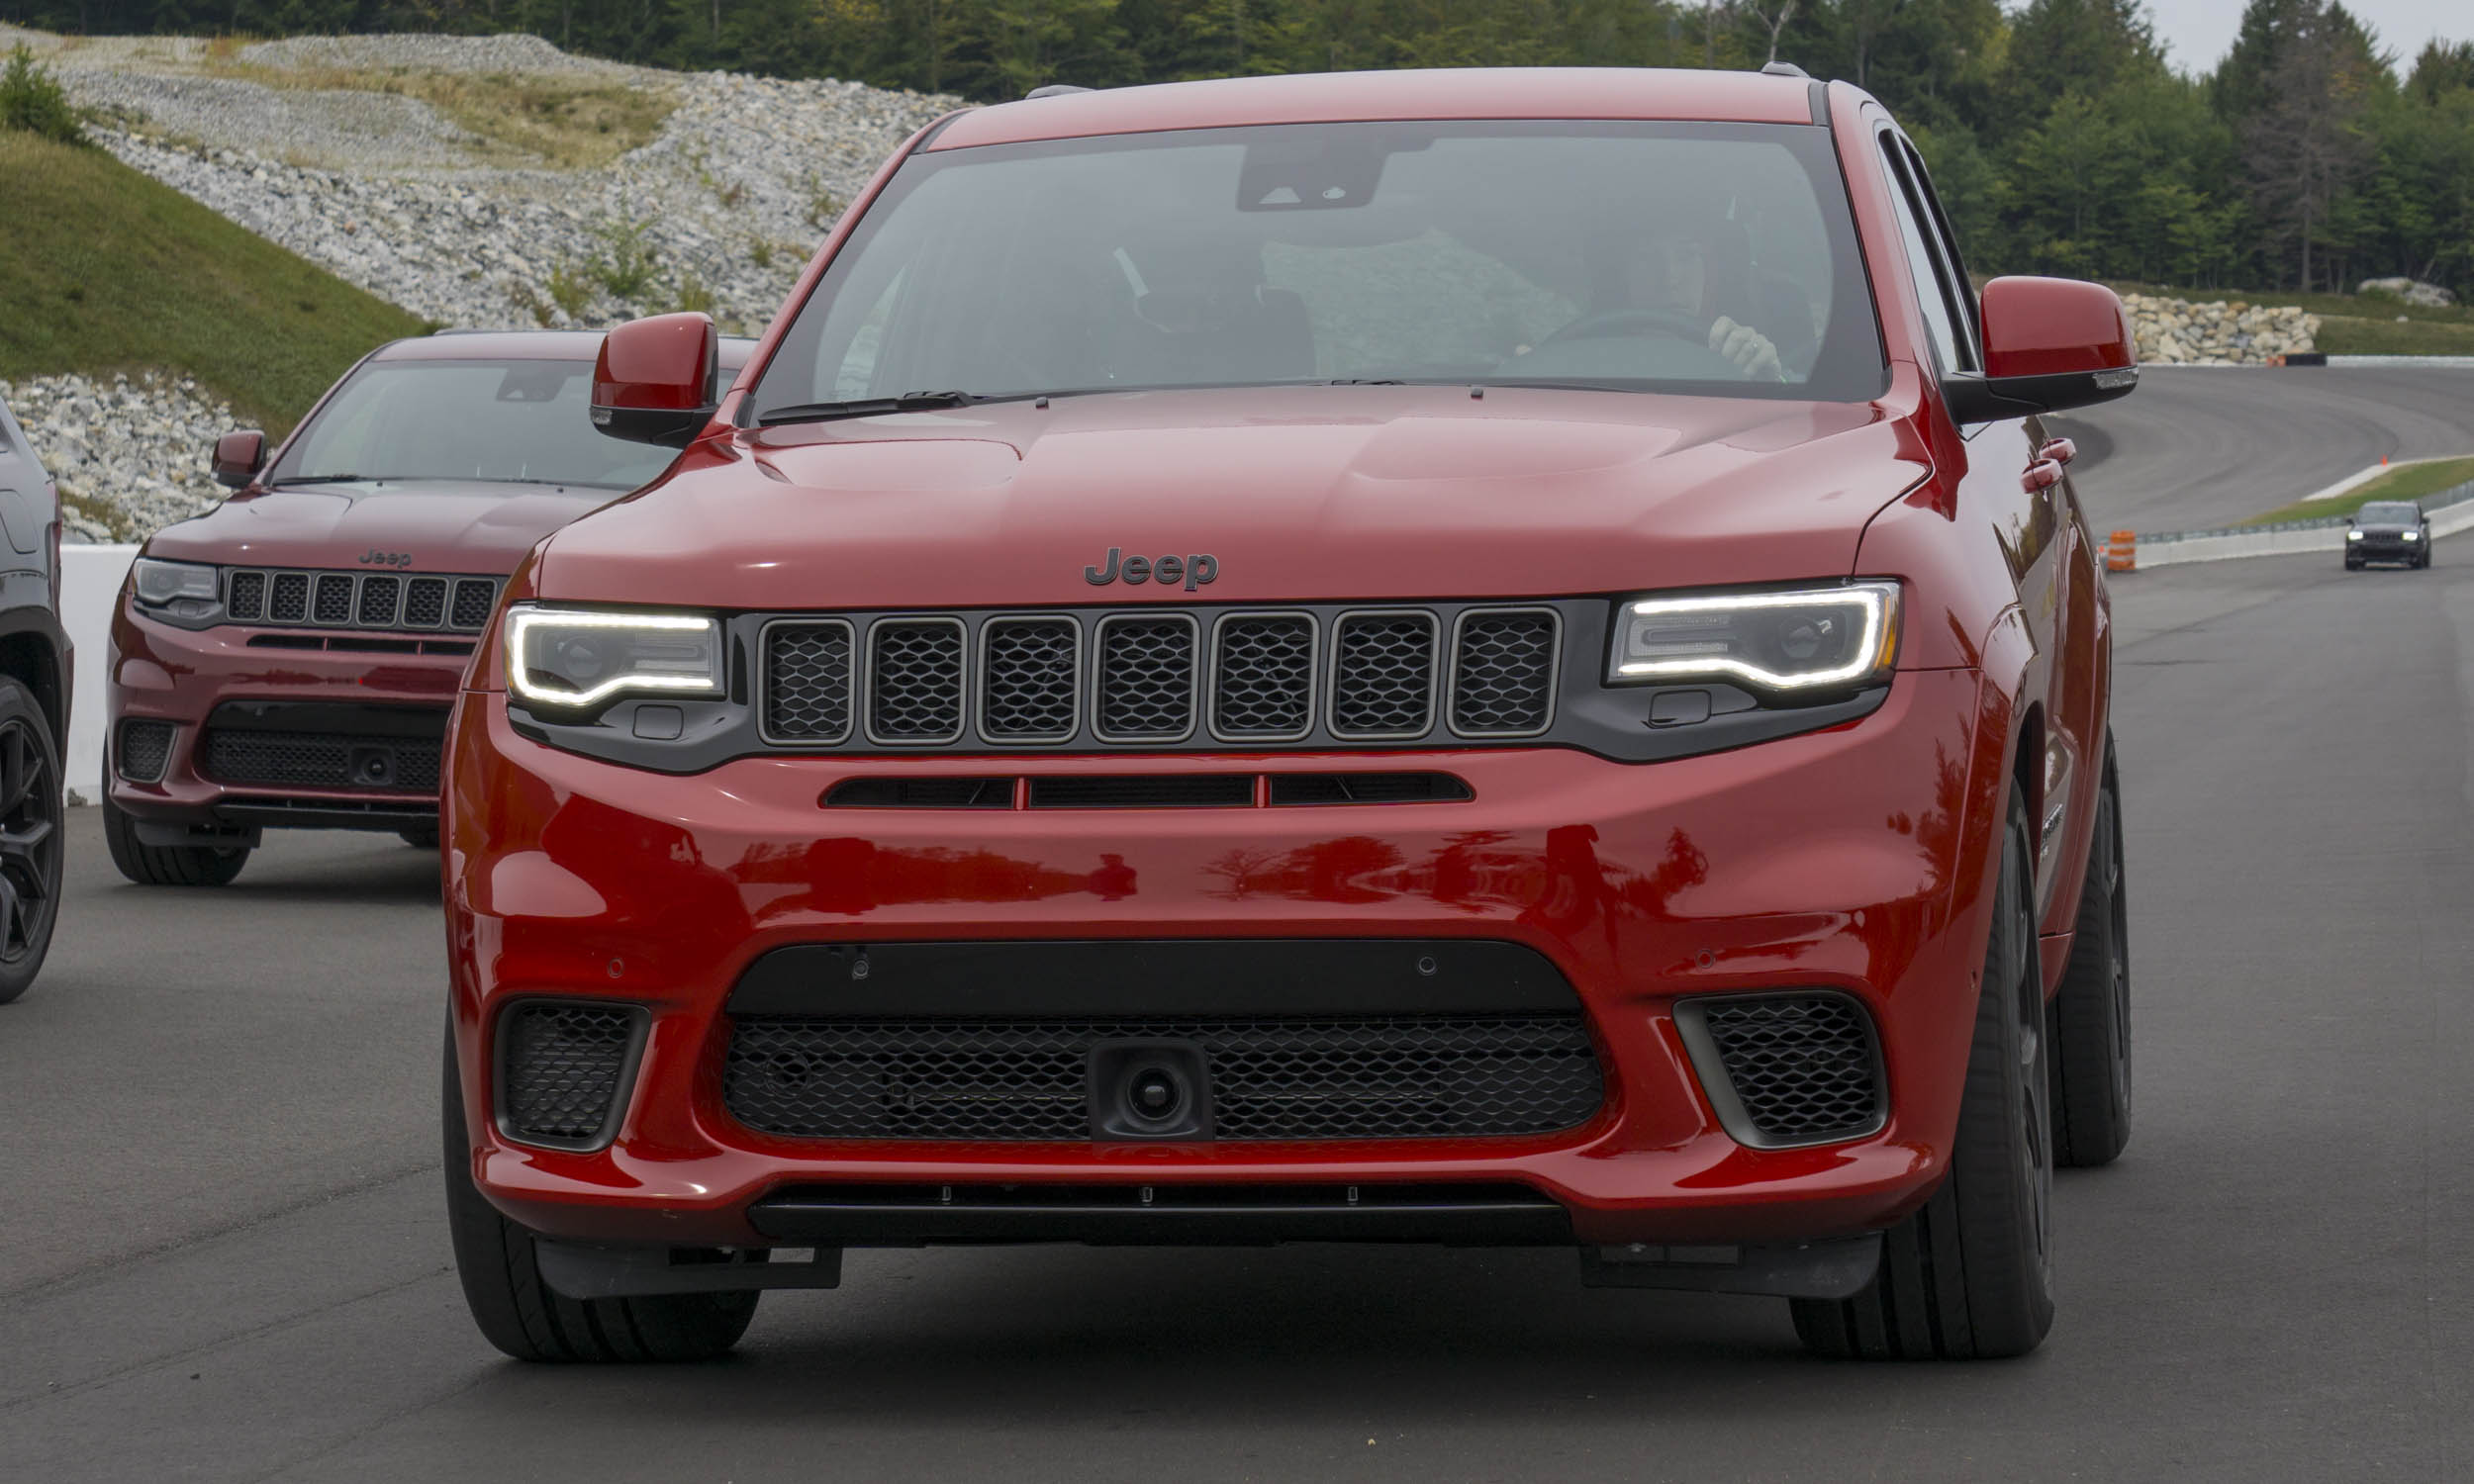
17,702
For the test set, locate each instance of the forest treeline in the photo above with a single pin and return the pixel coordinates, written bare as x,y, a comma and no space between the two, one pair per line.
2309,157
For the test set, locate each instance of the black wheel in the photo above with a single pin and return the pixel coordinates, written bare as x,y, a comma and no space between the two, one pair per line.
167,864
528,1319
2091,1013
421,836
30,839
1970,1276
2352,566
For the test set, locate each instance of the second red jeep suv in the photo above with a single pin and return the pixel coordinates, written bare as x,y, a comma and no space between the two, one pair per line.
1453,657
288,658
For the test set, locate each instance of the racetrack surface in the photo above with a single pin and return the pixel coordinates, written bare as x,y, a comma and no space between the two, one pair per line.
2203,447
223,1258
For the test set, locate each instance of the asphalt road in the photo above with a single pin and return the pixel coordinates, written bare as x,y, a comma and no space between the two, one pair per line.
222,1256
2202,446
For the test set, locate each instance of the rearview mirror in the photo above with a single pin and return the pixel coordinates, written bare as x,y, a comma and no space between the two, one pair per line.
238,456
653,381
2050,344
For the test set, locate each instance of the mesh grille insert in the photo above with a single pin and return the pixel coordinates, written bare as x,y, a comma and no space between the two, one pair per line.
247,598
1263,677
473,598
914,680
559,1070
317,760
334,603
379,595
1503,672
1285,1078
1383,677
146,747
424,602
1145,679
290,603
807,681
1028,690
1801,1064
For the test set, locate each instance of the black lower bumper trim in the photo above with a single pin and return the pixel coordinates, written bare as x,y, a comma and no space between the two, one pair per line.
326,814
1162,1214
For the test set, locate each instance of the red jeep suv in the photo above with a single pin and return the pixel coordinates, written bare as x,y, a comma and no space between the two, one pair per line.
1450,657
289,657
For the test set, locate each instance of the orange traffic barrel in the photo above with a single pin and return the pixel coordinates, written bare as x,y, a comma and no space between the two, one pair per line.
2122,551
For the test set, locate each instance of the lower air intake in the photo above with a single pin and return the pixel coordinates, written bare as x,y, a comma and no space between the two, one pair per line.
1285,1078
146,746
559,1071
1786,1070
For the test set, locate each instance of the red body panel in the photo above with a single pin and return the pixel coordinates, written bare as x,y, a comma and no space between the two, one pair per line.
1856,858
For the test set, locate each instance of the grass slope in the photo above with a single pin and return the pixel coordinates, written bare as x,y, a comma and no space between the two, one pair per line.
106,269
2403,482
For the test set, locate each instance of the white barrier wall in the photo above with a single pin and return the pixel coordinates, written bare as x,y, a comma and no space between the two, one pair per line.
91,585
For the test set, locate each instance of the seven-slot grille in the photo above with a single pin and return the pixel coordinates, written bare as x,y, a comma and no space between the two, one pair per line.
1153,678
359,600
1273,1078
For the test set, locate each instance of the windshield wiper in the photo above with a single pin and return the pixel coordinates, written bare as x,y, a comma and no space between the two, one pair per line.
325,479
871,407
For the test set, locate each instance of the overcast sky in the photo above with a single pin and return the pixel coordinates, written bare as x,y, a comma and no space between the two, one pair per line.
2196,33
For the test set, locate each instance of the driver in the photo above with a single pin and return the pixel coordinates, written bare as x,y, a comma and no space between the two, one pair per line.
1676,266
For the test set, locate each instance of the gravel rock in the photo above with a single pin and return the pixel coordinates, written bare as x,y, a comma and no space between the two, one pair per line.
431,53
2177,332
129,455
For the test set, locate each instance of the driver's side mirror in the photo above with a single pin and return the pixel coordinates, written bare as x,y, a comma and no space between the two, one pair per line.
2050,344
653,381
238,456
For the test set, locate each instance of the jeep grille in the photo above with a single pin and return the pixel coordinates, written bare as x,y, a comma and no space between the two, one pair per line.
359,600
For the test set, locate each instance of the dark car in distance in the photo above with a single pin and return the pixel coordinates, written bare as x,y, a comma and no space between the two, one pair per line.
35,672
288,658
2393,532
1493,657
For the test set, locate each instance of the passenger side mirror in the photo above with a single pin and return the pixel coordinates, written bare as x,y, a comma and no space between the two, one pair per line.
238,456
654,381
2050,344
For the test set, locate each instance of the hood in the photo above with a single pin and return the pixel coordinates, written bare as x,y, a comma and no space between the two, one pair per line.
428,526
1296,494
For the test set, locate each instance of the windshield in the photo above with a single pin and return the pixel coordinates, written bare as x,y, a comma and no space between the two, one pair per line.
1681,257
518,421
2390,514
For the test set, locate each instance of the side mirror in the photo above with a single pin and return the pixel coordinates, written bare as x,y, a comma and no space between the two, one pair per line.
238,456
2050,344
654,381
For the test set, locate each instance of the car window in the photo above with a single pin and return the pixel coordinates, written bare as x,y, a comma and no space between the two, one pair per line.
1924,269
1954,263
2397,513
1595,255
490,420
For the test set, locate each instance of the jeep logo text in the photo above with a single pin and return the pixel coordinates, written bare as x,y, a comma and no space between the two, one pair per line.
1200,571
376,558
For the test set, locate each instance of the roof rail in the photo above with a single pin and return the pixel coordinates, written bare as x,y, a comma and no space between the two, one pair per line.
1783,69
1054,90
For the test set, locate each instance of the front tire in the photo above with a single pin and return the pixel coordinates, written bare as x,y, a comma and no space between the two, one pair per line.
167,864
528,1319
31,854
1970,1276
420,836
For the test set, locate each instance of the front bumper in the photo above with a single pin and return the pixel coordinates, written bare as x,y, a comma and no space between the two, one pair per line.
1854,860
384,704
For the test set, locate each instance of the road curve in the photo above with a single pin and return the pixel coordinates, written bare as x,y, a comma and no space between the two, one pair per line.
223,1256
2205,446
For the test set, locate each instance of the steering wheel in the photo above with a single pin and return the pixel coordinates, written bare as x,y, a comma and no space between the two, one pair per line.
1608,323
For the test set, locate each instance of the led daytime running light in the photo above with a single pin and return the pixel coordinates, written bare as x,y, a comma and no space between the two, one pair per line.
1873,653
521,621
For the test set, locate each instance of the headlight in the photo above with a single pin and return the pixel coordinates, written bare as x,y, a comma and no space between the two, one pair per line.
186,590
2413,535
563,657
2353,535
1823,637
